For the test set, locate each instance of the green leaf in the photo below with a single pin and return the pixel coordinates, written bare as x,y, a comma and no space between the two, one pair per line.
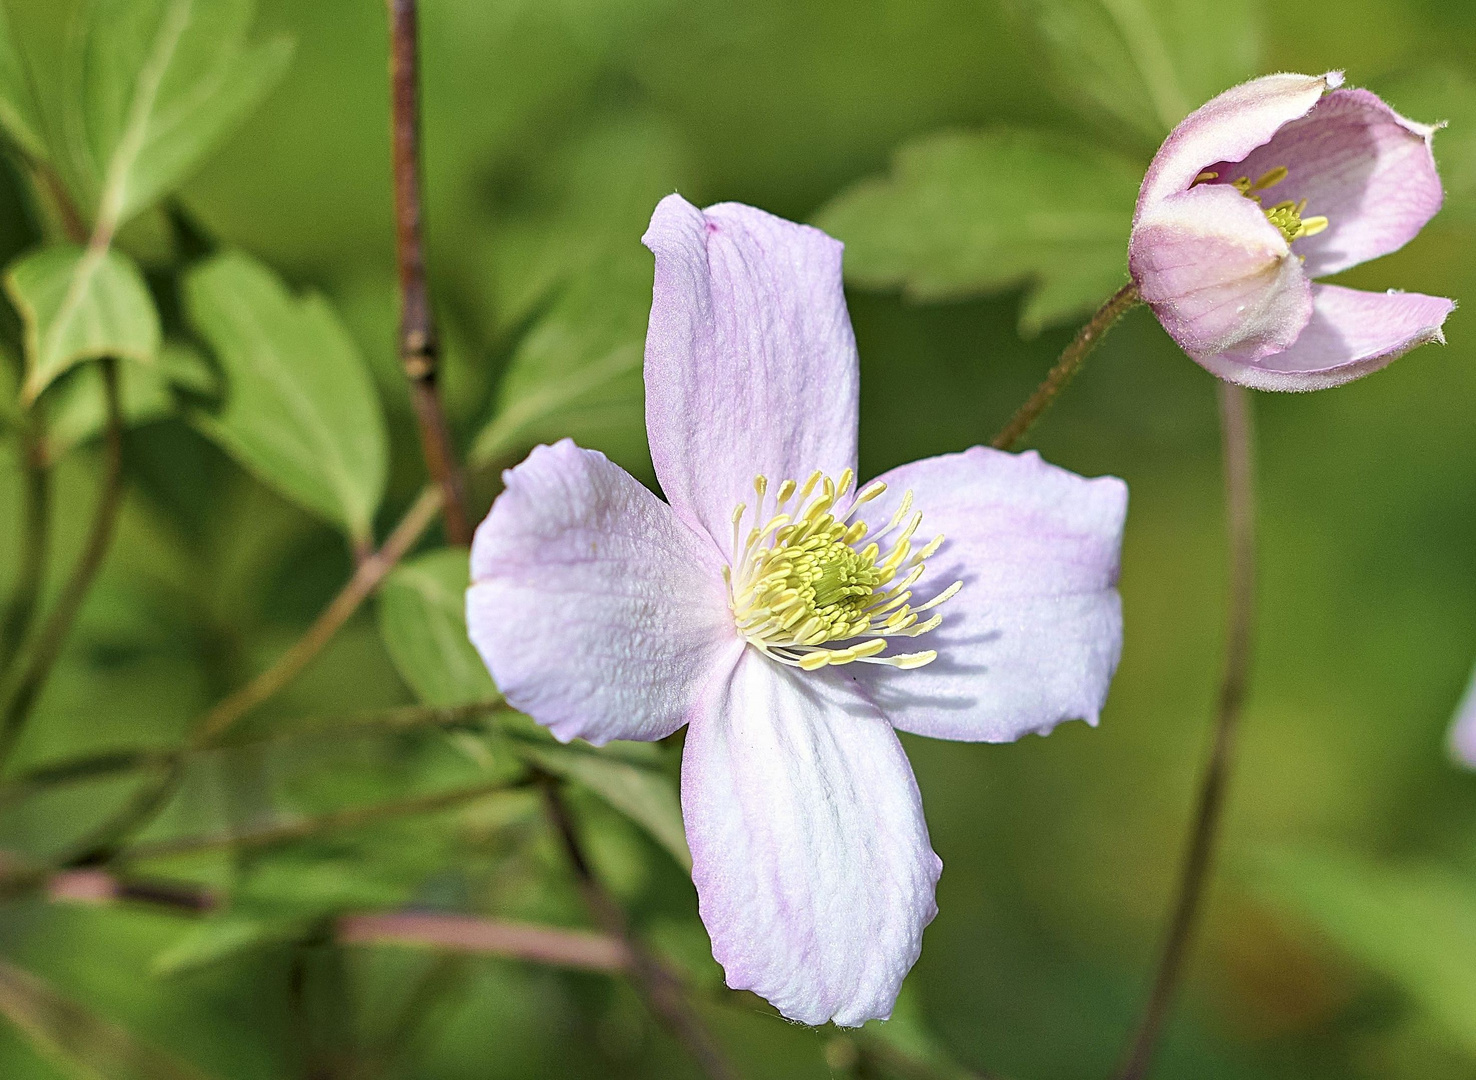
1415,925
646,796
219,938
79,305
80,1040
152,86
422,617
578,371
1147,63
963,214
1436,94
18,113
300,410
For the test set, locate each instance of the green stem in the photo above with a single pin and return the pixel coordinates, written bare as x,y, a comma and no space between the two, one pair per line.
1072,357
1238,440
37,480
53,633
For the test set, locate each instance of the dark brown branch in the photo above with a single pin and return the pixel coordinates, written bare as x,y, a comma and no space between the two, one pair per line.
1072,357
1238,440
53,633
419,346
661,988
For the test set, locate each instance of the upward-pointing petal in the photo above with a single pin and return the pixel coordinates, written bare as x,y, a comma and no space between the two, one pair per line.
750,362
598,613
809,851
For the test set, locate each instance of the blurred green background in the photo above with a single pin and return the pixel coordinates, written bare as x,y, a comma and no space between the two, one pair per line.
1340,937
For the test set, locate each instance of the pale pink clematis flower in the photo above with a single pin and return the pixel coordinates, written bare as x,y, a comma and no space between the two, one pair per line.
1276,182
1463,728
778,610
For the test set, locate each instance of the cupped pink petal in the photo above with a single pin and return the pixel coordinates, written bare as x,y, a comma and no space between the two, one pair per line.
1463,728
1034,635
1227,128
1358,163
811,858
750,361
1350,334
597,612
1218,275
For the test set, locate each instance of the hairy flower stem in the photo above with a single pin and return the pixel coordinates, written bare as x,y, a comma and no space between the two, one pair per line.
21,610
53,633
661,989
1240,521
419,348
1072,357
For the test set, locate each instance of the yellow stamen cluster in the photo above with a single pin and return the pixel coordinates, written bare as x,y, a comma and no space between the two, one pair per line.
1286,216
800,582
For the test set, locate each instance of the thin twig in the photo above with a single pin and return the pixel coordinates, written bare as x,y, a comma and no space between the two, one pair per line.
419,347
1238,440
37,523
354,817
662,990
1072,357
473,934
53,633
103,842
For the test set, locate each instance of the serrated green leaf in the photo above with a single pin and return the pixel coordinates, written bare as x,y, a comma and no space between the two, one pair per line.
1415,925
18,113
964,214
1147,63
80,304
646,796
1437,94
422,617
80,1040
152,86
300,409
578,371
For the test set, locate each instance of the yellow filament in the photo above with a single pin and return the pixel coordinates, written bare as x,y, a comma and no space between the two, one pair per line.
803,592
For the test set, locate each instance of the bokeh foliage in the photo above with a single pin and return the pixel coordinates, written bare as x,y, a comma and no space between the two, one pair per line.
230,167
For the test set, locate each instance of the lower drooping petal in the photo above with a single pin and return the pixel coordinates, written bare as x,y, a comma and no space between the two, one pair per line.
1359,164
1218,275
1034,635
597,612
1350,334
811,858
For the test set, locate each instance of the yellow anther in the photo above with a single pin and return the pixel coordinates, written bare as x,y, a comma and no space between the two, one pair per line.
1286,216
800,588
1205,177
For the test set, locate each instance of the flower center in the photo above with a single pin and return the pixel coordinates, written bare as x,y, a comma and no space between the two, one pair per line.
1286,216
801,581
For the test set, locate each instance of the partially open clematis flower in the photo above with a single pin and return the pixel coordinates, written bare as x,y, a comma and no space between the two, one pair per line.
791,618
1463,728
1274,183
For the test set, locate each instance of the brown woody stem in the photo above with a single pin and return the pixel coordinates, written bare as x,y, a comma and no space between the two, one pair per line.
419,346
1238,441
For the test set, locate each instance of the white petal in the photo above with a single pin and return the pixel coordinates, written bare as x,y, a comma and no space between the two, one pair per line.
811,858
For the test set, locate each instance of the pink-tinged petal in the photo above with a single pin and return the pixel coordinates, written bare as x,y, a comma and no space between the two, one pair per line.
1218,275
1351,333
1228,127
1358,163
811,858
750,361
598,613
1034,635
1463,729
